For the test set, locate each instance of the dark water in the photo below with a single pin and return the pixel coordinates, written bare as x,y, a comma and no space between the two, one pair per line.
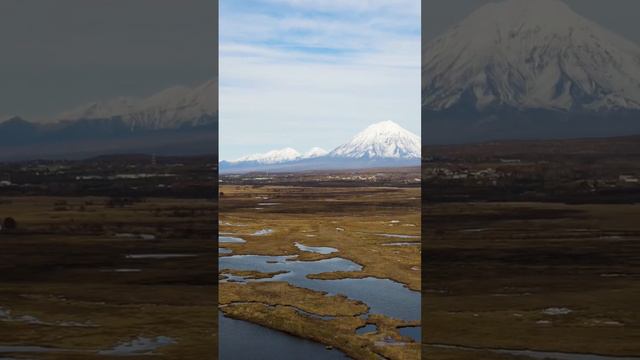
369,328
383,296
414,332
241,340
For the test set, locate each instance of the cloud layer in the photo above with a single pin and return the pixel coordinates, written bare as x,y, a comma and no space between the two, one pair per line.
306,73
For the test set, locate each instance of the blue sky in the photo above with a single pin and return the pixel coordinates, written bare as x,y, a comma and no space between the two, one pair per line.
305,73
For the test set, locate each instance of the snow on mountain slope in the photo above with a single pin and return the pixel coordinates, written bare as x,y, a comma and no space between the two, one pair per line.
314,153
271,157
384,140
169,109
527,54
384,144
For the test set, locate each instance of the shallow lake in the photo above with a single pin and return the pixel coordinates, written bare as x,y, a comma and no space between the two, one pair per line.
241,340
324,250
231,240
383,296
369,328
414,332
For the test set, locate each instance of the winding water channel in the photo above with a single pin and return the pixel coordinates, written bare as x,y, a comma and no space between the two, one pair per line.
383,296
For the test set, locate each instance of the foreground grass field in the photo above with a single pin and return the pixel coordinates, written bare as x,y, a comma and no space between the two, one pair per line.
360,223
84,278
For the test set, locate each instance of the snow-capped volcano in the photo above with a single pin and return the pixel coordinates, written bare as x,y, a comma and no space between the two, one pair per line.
279,156
315,152
381,140
385,144
171,108
271,157
525,54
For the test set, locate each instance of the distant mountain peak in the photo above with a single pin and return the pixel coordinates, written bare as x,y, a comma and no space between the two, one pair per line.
383,144
382,140
315,152
170,108
271,157
385,139
12,118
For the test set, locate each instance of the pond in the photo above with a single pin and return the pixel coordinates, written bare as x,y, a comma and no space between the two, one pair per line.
369,328
324,250
231,240
241,340
414,332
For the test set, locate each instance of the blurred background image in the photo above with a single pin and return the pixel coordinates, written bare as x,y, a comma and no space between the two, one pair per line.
531,142
108,179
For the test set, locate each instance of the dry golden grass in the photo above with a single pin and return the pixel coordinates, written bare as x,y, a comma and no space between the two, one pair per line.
348,219
59,267
281,293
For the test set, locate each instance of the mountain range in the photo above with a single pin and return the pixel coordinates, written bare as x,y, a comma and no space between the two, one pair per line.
521,69
176,121
383,144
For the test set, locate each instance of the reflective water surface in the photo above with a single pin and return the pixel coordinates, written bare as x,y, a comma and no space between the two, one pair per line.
241,340
383,296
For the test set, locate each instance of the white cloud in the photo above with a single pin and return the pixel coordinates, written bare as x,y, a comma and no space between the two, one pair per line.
394,6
